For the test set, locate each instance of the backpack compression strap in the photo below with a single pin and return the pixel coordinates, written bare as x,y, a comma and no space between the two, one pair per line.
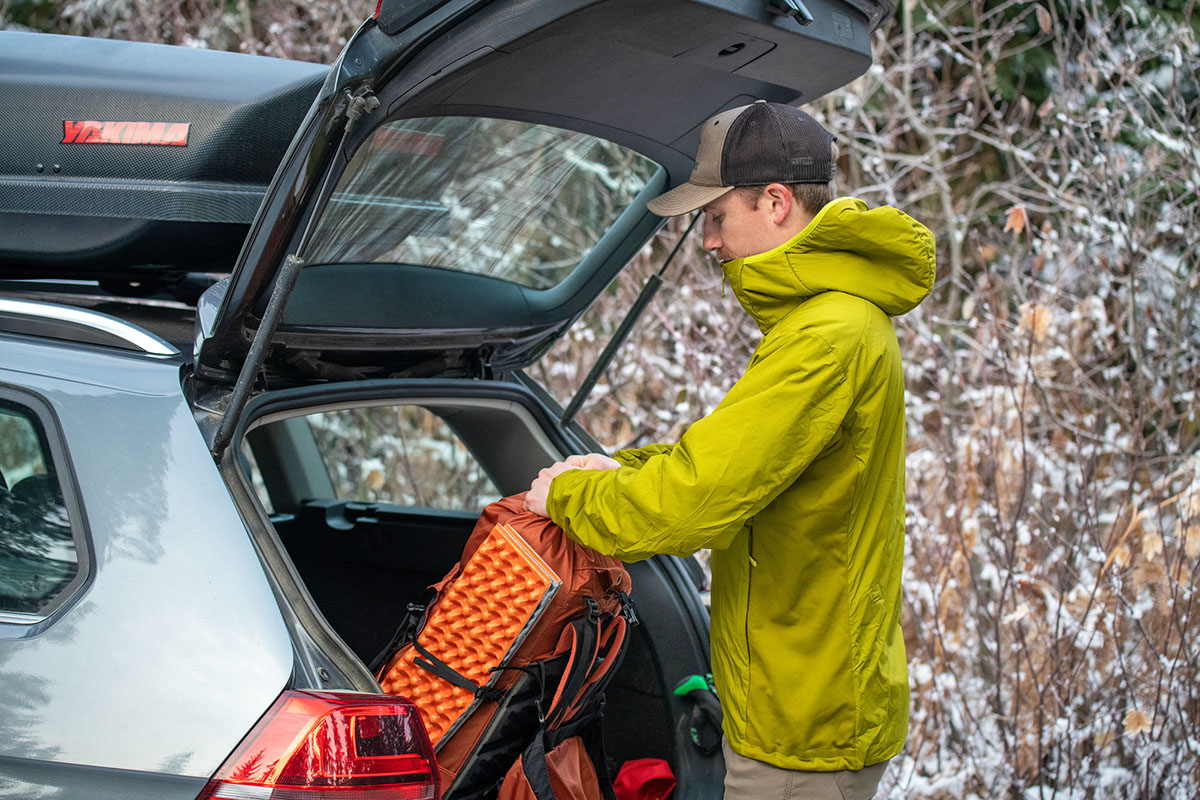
431,663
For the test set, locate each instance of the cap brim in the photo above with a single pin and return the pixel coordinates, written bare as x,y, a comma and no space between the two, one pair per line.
684,198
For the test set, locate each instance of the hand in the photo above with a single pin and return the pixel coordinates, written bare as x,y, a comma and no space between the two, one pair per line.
593,461
539,490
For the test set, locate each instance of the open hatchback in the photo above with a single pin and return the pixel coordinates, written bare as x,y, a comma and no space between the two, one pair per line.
467,179
473,174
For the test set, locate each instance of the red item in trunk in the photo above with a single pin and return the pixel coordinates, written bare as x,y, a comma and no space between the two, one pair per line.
644,779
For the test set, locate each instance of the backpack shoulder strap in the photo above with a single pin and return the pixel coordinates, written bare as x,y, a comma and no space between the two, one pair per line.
610,651
584,637
410,625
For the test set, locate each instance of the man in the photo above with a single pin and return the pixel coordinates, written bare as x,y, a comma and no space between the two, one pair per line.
796,479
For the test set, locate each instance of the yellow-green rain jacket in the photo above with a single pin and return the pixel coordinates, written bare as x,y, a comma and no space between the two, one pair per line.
796,480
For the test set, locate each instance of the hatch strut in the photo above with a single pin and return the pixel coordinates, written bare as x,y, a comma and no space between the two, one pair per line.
257,353
360,102
623,331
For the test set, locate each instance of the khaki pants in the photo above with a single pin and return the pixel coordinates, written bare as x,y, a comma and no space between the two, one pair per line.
750,779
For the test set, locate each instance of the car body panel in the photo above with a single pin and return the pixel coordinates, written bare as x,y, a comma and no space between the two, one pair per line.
34,779
202,673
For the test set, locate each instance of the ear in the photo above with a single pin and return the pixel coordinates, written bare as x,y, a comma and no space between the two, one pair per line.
779,202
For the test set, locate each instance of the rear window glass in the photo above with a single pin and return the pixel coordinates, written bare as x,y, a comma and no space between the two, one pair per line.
400,454
512,200
38,555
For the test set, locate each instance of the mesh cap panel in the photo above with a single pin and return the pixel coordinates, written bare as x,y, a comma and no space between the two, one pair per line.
770,142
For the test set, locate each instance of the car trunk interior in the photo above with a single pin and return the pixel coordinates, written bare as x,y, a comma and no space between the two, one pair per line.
364,560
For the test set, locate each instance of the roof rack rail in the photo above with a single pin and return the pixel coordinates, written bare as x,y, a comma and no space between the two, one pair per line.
78,325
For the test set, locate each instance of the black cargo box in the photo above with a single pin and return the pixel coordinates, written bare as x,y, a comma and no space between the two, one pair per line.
123,159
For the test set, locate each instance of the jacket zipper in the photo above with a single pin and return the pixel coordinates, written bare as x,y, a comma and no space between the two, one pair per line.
749,581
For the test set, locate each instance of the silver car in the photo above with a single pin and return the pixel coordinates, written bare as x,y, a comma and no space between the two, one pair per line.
264,331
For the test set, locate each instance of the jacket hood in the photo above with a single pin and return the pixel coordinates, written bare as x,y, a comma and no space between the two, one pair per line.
881,255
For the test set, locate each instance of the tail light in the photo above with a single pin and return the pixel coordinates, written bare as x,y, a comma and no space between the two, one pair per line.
318,745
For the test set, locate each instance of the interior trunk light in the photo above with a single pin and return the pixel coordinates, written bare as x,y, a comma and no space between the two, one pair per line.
331,745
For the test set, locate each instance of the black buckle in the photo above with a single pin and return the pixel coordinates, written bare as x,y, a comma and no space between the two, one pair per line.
628,609
593,609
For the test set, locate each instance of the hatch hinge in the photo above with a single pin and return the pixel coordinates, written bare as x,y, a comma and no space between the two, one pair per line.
791,8
653,283
257,353
362,101
481,366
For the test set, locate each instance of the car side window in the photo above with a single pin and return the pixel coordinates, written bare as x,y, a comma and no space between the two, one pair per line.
400,454
39,557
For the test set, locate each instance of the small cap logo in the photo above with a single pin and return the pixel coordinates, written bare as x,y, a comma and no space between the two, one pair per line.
156,133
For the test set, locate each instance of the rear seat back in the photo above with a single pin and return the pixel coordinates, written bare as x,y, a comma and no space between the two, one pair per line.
364,562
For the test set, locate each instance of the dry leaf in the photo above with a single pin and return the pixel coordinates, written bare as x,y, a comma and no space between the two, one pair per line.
1152,545
1190,537
1102,740
1017,220
1190,504
1044,21
1035,318
1019,614
1136,722
375,480
1154,158
1149,573
970,527
968,308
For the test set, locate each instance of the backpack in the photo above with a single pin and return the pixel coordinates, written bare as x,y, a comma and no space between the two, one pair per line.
508,657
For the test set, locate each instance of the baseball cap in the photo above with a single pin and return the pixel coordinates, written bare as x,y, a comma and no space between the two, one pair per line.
748,146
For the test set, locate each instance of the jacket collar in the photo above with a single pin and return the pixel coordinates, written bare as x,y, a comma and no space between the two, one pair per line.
881,255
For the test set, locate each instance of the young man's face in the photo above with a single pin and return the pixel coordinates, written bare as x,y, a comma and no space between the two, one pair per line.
735,228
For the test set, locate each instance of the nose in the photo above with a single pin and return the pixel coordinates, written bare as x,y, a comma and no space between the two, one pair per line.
712,240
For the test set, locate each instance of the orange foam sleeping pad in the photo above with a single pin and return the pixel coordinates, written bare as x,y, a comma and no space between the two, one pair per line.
476,625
